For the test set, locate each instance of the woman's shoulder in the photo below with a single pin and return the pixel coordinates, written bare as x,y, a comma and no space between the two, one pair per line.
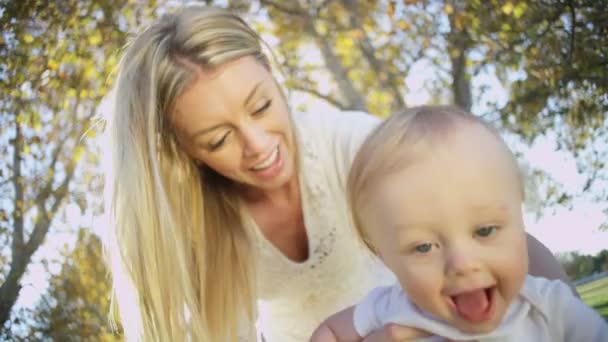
334,136
334,120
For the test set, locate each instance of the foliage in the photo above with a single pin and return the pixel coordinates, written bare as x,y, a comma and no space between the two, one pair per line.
562,84
77,304
366,50
547,53
55,59
578,266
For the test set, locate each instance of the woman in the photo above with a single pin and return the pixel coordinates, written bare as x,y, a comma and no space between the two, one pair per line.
226,208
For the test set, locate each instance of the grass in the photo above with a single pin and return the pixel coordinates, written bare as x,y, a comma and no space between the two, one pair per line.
595,294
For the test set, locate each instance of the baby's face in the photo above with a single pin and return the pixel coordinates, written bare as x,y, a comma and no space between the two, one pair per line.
450,227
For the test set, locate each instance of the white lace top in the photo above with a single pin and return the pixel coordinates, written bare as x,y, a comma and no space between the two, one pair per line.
295,297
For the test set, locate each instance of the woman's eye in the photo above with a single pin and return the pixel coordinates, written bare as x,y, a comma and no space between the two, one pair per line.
216,145
424,247
263,107
486,231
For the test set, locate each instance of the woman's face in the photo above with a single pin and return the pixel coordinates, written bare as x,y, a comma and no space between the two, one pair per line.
234,119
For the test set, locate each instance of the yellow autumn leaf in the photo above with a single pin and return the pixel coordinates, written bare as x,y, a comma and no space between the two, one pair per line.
28,38
71,92
321,27
448,9
404,25
89,72
111,61
519,10
344,45
507,8
53,65
95,38
78,151
391,9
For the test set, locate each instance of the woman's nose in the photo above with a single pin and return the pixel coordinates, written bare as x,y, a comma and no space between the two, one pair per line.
255,140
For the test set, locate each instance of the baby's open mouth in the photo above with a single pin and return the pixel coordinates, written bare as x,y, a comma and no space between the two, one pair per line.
475,306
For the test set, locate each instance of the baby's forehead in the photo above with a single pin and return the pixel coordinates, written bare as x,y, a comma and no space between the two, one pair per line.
467,142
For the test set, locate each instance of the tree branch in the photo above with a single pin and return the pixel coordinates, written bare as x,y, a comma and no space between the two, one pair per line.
390,83
572,31
42,226
19,195
354,99
315,92
459,40
10,288
45,192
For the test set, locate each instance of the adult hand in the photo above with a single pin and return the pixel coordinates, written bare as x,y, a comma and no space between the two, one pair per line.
396,333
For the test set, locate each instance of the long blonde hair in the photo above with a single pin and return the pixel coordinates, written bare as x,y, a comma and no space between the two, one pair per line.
181,259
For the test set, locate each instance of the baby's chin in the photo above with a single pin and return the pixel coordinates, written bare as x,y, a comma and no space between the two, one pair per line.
476,328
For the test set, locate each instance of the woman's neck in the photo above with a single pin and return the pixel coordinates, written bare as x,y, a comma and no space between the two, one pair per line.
281,197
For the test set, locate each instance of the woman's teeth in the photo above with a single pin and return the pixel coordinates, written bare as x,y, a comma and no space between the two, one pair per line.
269,161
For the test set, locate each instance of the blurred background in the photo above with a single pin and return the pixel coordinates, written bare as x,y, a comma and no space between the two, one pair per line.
536,69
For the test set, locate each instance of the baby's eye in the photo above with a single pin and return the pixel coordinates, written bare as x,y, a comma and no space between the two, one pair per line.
424,247
486,231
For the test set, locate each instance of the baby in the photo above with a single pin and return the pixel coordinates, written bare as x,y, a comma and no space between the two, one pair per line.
437,195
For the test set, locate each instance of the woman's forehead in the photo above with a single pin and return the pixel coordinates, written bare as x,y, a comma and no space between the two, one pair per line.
224,90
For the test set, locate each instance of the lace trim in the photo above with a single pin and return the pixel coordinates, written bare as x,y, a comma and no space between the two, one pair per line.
321,240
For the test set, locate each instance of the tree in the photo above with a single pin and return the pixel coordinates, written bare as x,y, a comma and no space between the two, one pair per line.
562,89
578,265
77,304
367,50
55,58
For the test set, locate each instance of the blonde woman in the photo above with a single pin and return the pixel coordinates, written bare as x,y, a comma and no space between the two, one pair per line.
229,214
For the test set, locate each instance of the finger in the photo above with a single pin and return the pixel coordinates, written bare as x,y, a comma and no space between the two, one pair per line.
377,336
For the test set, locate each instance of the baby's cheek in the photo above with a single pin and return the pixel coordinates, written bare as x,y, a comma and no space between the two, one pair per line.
422,284
515,267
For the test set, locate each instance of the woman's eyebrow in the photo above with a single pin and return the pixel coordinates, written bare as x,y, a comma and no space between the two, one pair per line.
205,130
249,97
252,93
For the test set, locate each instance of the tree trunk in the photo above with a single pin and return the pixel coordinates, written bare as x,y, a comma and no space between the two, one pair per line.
388,82
459,43
354,100
9,291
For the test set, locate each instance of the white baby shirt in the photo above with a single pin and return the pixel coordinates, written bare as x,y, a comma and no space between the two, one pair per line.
545,311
